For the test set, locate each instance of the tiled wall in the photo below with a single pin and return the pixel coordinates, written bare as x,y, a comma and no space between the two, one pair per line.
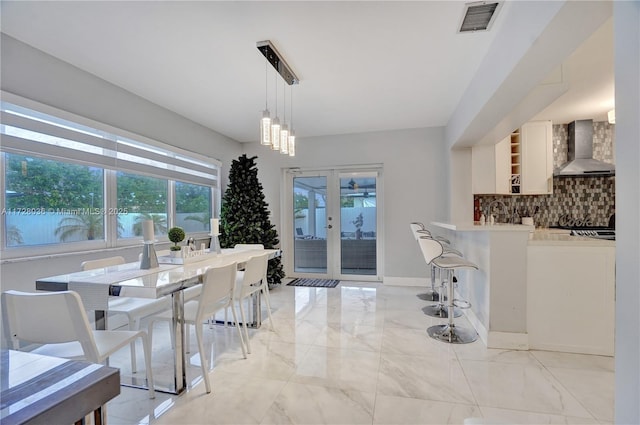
576,197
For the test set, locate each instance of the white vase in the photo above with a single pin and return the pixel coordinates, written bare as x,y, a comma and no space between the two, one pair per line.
176,254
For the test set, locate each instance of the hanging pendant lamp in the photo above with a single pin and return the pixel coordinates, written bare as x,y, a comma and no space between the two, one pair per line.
265,122
280,137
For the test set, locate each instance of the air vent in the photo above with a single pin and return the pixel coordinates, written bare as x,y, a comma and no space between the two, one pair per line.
479,16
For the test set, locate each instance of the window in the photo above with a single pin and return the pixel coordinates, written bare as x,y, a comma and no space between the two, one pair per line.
70,184
193,207
141,198
49,202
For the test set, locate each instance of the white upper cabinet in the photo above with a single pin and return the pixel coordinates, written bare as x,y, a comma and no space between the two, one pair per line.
521,163
491,168
536,158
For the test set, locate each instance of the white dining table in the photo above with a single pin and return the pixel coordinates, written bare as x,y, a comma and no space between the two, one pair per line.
165,280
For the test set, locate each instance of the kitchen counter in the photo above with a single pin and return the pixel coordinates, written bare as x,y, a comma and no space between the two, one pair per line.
571,293
563,238
497,290
536,289
477,227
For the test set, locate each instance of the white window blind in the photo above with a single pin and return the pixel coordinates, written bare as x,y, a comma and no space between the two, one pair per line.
26,131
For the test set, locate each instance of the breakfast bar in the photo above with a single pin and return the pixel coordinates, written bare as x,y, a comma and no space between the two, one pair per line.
537,289
497,290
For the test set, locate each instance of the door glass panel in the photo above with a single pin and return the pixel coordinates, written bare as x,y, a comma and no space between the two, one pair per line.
358,224
309,224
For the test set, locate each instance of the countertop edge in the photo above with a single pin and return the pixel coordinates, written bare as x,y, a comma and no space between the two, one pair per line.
477,227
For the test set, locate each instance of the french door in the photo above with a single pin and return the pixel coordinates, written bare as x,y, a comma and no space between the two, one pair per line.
332,224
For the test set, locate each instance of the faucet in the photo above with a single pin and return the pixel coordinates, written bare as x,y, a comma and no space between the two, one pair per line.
504,209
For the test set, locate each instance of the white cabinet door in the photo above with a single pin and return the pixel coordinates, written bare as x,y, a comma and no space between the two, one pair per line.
571,298
491,168
537,158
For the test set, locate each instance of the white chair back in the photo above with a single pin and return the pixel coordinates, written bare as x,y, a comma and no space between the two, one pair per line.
415,227
218,286
255,270
248,246
430,248
103,262
49,318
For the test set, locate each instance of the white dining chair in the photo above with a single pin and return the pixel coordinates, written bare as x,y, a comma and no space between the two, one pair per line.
253,280
134,308
58,321
217,294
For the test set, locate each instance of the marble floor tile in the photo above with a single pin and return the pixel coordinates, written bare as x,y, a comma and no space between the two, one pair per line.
339,368
504,416
423,377
272,359
574,361
311,404
520,387
402,410
352,336
478,351
290,330
233,400
593,388
416,342
409,318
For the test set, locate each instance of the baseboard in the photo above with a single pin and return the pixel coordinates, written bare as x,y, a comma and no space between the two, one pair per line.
477,325
508,340
405,281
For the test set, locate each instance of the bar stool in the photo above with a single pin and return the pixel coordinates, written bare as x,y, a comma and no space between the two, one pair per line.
440,309
449,332
419,230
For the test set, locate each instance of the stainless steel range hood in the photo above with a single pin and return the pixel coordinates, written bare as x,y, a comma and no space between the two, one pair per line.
580,154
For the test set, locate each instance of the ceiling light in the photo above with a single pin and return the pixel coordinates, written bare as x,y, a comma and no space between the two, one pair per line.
292,134
479,16
272,133
612,116
265,122
284,130
292,143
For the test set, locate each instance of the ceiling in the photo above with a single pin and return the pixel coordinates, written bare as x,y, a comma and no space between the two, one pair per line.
363,66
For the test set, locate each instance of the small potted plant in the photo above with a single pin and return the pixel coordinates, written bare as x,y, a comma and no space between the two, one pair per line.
176,235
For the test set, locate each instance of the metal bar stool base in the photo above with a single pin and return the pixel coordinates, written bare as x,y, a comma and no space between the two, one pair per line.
429,296
440,311
452,334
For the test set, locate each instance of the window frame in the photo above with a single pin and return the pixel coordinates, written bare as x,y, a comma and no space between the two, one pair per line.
110,240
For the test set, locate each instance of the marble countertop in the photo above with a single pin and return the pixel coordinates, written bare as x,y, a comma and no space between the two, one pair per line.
477,227
563,238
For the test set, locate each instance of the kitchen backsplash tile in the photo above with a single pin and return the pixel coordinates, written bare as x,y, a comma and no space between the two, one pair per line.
581,198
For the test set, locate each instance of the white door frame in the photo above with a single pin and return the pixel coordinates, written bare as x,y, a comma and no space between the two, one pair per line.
333,204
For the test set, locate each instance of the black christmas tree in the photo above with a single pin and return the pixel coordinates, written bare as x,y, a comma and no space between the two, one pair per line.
244,216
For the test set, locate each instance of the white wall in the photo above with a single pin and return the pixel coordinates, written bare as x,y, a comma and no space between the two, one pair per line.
415,182
32,74
627,72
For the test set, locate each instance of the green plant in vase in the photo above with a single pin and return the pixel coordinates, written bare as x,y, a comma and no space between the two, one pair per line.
176,235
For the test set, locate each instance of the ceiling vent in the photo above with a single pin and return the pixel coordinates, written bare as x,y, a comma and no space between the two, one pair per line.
479,16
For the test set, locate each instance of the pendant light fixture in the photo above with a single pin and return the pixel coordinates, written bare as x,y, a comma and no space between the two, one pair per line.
265,122
292,134
275,125
280,137
284,131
